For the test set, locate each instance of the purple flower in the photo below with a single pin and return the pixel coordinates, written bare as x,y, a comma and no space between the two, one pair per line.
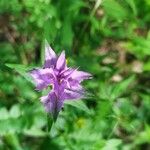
65,81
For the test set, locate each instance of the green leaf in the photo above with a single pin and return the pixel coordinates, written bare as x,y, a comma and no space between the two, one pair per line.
49,122
35,132
50,30
22,70
120,88
4,114
78,104
13,141
15,111
131,3
139,46
3,67
112,144
67,34
114,9
146,66
11,125
144,136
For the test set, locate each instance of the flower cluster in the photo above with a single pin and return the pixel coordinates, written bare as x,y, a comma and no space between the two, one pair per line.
65,81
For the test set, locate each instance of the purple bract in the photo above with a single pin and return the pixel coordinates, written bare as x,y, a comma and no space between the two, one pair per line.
65,81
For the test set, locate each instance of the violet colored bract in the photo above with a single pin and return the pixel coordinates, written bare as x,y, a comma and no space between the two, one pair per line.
65,81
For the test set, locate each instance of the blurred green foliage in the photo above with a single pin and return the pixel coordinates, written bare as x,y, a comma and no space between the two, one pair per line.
110,39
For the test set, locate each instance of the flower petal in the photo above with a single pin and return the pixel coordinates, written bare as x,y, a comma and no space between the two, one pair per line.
61,62
52,104
50,56
74,94
80,75
42,77
73,83
67,72
40,84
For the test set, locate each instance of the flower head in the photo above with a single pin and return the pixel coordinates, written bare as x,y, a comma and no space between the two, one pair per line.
65,81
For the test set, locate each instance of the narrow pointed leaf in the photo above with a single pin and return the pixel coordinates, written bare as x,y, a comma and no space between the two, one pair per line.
49,123
78,104
22,70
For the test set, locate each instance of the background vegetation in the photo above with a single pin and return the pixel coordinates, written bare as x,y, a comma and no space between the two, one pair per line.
108,38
